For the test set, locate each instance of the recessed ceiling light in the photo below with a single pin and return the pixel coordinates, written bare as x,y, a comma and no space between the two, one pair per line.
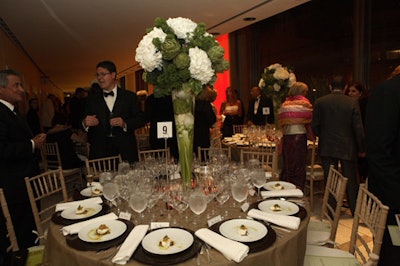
249,19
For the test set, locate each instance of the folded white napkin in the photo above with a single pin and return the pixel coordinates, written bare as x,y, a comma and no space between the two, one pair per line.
281,220
74,228
231,249
75,204
130,244
282,193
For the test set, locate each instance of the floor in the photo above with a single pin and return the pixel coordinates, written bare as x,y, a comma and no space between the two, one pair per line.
345,225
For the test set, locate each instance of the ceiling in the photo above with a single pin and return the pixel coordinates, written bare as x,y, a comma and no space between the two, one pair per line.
67,38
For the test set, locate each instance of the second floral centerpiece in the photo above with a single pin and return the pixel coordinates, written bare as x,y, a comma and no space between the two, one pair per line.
180,58
275,82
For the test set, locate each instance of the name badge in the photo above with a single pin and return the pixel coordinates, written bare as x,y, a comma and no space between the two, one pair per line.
266,111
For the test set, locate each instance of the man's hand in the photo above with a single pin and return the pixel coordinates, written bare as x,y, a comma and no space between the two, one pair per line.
39,140
90,121
117,122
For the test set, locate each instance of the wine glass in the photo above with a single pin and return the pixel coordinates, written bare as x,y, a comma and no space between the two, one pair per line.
258,179
111,133
138,202
180,202
110,191
197,203
240,190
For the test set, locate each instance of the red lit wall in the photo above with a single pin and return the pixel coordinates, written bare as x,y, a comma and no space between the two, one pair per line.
223,79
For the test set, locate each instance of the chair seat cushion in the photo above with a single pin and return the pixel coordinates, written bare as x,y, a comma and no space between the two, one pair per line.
318,232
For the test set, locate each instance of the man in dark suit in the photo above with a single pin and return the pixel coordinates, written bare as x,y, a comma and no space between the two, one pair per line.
383,153
111,117
17,161
261,109
337,123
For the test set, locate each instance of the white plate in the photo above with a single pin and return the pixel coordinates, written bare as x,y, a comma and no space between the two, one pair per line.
88,233
182,240
286,185
255,230
87,192
91,209
287,207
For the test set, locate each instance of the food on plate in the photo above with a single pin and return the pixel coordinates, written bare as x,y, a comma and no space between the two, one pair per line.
81,210
166,242
243,231
97,191
102,229
276,208
278,186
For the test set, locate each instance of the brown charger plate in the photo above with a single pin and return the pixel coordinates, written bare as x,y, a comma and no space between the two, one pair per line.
145,257
255,246
302,213
58,219
75,242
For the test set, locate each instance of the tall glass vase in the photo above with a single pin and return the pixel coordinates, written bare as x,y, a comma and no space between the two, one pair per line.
183,103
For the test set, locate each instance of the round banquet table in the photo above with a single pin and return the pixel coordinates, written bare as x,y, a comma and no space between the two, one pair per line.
288,248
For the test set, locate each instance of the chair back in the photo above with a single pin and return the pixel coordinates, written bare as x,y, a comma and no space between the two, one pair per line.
205,154
10,227
333,199
143,138
267,159
314,173
45,190
373,214
50,156
163,154
96,166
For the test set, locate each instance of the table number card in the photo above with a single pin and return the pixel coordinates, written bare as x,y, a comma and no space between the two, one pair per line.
164,130
266,111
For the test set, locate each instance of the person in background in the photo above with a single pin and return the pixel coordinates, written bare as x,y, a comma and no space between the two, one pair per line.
204,118
47,112
383,153
111,117
338,124
261,109
358,91
161,110
77,107
294,118
231,111
32,116
17,161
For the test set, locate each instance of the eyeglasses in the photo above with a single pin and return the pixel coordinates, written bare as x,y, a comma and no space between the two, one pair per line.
101,75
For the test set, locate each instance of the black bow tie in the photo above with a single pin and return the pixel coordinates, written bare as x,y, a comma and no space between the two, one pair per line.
106,94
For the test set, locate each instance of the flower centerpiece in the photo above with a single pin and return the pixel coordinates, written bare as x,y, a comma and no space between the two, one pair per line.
275,83
180,58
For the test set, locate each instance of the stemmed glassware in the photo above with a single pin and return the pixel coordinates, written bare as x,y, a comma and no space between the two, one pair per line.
240,190
257,177
138,202
111,133
110,191
197,203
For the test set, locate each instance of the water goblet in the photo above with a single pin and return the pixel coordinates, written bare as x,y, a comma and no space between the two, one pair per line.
240,190
257,177
110,191
111,133
198,204
138,202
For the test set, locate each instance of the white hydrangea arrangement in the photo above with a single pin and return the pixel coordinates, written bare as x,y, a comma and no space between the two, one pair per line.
276,80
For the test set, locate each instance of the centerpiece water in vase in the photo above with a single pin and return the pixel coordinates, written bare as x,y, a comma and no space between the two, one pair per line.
180,58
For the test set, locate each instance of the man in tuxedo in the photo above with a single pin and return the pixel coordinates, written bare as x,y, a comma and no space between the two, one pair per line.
382,132
261,109
337,122
17,161
111,117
